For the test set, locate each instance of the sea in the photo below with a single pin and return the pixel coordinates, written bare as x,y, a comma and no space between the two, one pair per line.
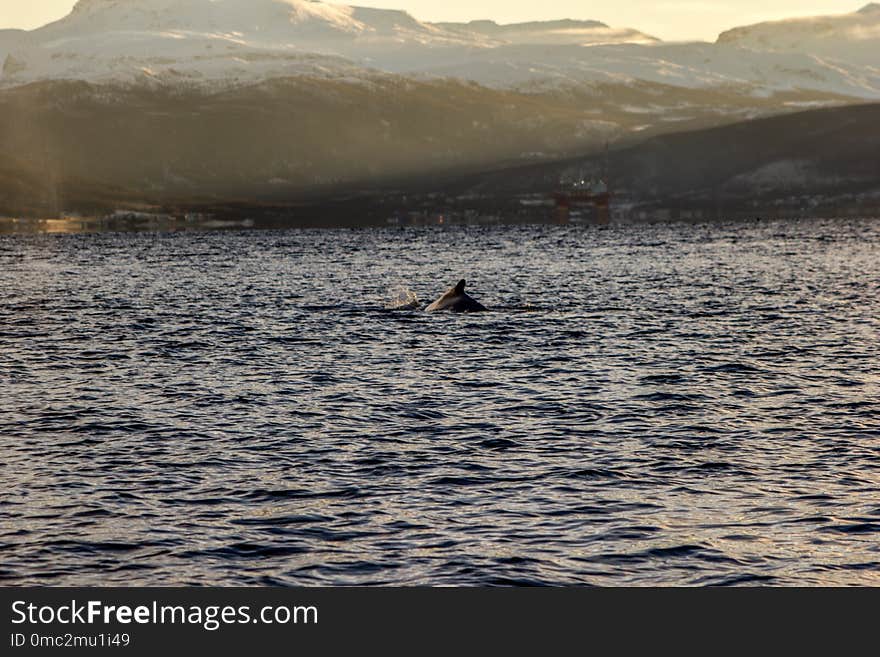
684,404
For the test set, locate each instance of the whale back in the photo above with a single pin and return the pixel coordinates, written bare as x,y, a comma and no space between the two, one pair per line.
455,300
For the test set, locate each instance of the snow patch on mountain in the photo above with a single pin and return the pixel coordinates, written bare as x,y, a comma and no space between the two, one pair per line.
693,65
10,40
561,32
853,38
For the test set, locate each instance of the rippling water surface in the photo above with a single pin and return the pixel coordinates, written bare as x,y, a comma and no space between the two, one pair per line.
664,404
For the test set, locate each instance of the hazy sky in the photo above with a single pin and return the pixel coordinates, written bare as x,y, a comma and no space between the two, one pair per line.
668,19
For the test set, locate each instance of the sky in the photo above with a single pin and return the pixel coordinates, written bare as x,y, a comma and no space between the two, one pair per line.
667,19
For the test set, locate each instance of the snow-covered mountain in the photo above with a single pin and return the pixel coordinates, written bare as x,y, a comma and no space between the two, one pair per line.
561,32
834,55
208,40
688,65
246,41
271,19
852,38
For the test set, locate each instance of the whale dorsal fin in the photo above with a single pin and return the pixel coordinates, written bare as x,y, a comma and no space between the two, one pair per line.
459,289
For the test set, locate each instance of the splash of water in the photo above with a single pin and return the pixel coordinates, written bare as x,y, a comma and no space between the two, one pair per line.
403,298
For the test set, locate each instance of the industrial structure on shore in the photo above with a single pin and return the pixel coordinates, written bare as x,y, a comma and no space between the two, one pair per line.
592,196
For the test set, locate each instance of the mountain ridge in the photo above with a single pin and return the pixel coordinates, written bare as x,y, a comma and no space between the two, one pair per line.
850,37
238,41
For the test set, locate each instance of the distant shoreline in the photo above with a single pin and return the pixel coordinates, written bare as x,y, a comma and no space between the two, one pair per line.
147,222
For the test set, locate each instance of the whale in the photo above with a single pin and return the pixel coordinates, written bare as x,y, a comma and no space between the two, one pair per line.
455,300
